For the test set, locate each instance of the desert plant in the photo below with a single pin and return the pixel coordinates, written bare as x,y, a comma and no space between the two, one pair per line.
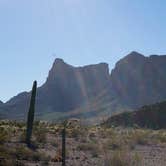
4,137
40,134
123,158
31,115
64,145
24,153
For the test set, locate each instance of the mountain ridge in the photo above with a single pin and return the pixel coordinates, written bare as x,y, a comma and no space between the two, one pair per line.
66,88
92,91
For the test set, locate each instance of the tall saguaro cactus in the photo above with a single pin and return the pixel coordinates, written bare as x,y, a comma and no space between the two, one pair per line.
31,114
64,145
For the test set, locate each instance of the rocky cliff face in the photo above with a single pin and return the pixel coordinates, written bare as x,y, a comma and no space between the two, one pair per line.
139,80
65,89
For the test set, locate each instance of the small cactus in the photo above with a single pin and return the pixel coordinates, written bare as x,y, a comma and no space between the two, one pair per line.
31,115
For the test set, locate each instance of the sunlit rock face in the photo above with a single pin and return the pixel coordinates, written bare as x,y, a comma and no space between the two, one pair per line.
140,80
65,89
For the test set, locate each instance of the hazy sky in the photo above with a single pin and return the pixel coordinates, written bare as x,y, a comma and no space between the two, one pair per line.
34,32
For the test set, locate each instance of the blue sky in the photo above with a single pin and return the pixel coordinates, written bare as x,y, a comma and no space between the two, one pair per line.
34,32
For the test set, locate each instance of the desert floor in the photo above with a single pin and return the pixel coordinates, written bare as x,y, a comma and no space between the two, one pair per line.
85,145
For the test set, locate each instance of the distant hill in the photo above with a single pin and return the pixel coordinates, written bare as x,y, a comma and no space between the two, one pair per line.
150,116
92,92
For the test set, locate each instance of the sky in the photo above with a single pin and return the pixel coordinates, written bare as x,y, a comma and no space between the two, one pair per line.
35,32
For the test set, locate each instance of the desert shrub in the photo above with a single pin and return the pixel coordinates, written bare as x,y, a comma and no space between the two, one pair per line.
119,158
8,157
4,136
124,158
77,133
139,137
21,125
58,156
110,132
91,147
115,142
86,147
159,136
73,133
38,156
40,134
92,135
22,136
4,153
54,143
102,133
95,153
36,123
24,153
136,160
9,162
83,139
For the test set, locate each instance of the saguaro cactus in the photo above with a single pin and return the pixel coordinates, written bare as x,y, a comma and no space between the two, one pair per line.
31,114
64,145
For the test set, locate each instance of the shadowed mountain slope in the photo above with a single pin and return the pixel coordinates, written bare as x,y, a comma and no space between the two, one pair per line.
65,89
150,116
139,80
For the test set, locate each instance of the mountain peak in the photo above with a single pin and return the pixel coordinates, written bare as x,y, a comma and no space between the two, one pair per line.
59,61
135,54
132,57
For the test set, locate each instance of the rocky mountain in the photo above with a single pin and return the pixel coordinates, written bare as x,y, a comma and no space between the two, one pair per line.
92,92
139,80
65,89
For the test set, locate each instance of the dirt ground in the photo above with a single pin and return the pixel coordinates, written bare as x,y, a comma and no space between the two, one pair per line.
85,146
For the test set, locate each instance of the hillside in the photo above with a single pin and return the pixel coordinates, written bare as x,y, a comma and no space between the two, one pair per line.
150,116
